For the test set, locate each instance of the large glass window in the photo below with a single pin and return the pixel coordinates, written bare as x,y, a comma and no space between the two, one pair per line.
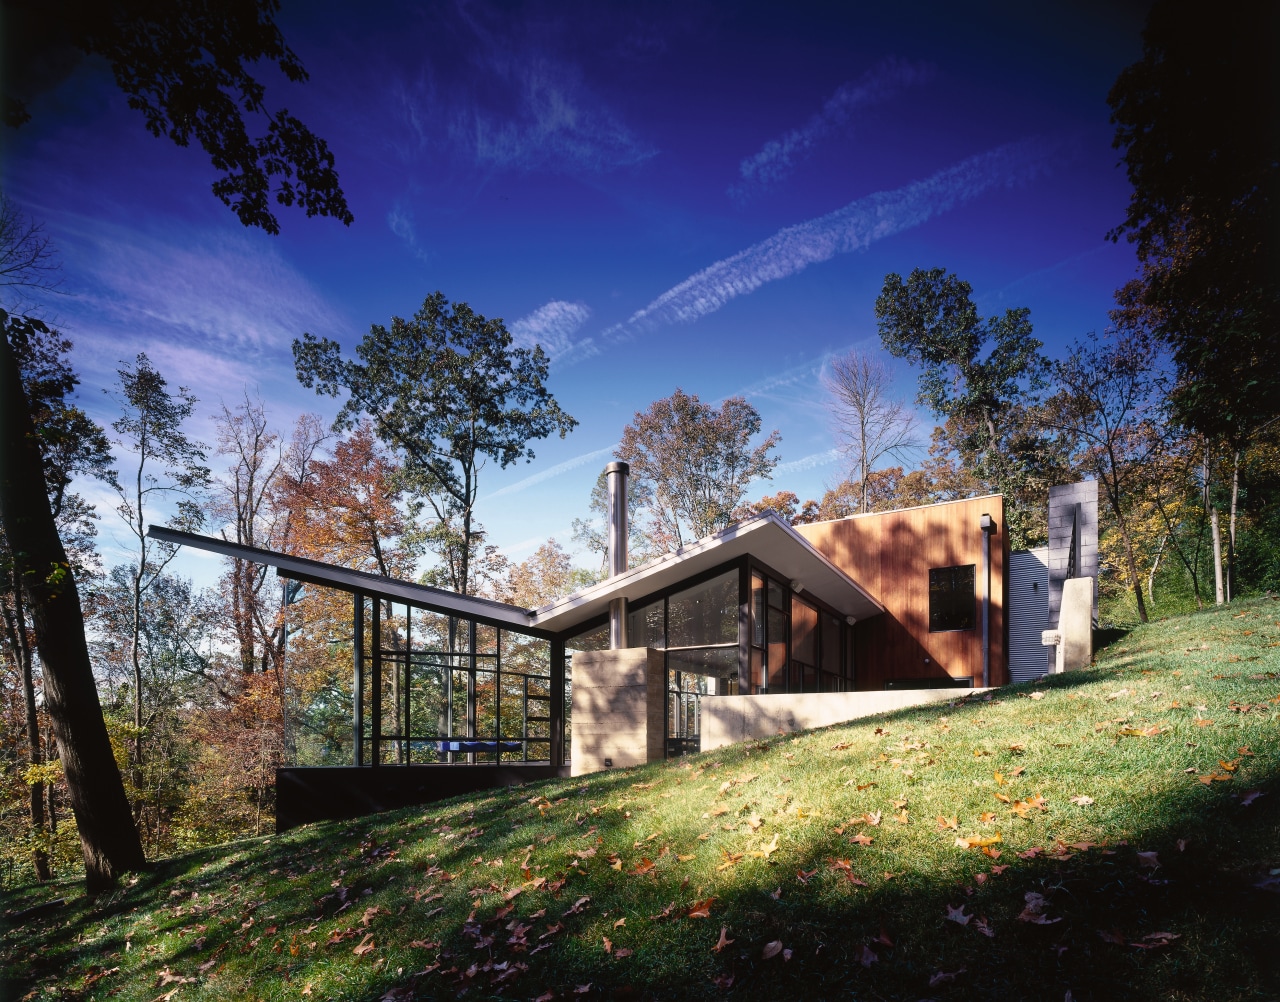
645,627
952,603
437,688
705,614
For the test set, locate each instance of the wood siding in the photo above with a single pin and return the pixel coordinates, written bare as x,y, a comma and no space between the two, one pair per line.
890,554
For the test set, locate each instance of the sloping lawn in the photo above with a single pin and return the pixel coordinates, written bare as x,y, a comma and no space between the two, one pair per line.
1113,833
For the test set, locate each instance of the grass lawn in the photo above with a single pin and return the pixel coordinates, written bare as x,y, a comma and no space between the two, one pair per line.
1112,833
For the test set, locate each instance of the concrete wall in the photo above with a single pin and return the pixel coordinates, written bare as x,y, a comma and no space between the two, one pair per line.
727,720
1075,623
1072,504
619,708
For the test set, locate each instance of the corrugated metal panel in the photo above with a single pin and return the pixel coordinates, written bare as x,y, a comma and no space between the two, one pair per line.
1028,614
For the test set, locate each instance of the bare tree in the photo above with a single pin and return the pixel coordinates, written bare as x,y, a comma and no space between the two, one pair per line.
871,425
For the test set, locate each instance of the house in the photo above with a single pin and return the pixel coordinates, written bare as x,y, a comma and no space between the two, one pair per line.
762,626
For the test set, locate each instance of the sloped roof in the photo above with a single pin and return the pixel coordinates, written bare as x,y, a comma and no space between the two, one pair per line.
766,537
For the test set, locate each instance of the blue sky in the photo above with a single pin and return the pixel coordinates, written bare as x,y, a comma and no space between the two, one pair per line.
690,194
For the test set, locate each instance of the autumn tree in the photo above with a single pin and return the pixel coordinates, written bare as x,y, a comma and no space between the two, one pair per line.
71,445
696,462
979,375
108,838
447,391
1109,397
183,65
167,470
870,424
593,531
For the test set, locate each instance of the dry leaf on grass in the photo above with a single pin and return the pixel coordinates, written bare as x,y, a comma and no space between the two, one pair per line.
724,939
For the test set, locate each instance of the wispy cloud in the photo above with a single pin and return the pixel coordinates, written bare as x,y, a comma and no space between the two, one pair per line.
227,292
400,222
555,471
852,228
558,124
514,106
779,157
552,326
825,458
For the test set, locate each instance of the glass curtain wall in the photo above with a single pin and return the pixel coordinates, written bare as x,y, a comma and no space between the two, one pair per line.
437,688
795,646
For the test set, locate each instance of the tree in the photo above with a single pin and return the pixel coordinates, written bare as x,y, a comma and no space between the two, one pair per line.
448,391
696,462
1109,399
71,444
981,376
870,425
168,468
108,837
593,531
1194,118
184,66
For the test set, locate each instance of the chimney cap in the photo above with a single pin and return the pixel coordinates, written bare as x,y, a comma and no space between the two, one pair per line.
617,466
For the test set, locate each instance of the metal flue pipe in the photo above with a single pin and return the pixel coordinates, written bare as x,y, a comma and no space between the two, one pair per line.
616,474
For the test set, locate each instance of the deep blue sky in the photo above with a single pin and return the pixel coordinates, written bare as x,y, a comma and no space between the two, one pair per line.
691,194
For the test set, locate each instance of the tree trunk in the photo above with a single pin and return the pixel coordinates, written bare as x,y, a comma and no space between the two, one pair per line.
1134,579
15,628
1218,596
1151,578
108,837
1231,527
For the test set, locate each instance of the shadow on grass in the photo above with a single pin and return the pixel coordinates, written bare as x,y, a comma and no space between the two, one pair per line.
1100,904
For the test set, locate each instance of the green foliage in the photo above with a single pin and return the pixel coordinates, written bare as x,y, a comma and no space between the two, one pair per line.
447,390
1193,119
185,66
981,377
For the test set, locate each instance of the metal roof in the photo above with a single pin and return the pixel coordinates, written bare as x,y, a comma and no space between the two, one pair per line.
344,579
766,537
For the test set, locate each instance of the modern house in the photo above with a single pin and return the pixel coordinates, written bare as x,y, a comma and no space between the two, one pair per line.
757,617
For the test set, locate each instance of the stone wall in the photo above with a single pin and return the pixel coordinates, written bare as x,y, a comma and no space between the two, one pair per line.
619,709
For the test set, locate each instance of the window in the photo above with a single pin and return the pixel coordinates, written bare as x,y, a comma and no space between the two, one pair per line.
952,605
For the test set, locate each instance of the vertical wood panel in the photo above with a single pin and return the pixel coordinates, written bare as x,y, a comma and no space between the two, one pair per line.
889,554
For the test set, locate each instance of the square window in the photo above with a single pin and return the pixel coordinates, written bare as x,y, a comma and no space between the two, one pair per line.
952,602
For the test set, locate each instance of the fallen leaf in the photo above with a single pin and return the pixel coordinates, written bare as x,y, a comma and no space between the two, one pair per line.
942,977
957,915
622,952
866,956
1082,800
608,944
366,945
724,939
1155,939
951,822
700,909
1149,859
1248,798
771,949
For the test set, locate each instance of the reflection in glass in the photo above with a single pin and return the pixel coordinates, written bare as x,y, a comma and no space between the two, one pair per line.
704,614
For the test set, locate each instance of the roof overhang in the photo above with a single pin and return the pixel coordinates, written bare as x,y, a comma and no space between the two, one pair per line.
317,572
766,537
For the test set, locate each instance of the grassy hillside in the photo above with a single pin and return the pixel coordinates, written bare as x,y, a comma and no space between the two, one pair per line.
1110,833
